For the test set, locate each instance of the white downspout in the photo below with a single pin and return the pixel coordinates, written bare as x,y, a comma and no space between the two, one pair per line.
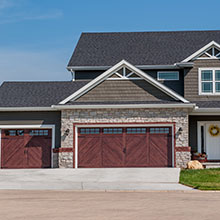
73,74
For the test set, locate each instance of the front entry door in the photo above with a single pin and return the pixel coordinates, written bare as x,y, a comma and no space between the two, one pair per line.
212,142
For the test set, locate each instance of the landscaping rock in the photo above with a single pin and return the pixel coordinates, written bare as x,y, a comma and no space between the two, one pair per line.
194,165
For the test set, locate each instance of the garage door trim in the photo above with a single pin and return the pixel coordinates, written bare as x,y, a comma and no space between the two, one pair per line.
45,126
100,125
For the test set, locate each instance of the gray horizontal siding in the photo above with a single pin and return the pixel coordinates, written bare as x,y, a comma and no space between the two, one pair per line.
34,118
177,85
191,84
124,90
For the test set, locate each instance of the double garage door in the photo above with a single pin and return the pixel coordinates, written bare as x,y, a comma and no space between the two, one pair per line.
26,148
125,147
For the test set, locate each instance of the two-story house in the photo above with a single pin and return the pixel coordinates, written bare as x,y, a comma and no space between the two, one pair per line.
136,99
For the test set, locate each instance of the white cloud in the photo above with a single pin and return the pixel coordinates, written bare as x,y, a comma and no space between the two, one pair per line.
27,65
14,18
22,13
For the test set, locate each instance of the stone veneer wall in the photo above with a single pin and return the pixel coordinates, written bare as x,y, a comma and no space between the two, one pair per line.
70,117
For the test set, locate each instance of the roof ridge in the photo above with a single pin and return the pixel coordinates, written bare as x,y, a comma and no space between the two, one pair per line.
124,32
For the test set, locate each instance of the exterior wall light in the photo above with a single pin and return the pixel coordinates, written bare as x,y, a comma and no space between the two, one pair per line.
67,131
180,130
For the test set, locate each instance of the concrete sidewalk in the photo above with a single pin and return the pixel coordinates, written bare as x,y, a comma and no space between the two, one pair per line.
92,179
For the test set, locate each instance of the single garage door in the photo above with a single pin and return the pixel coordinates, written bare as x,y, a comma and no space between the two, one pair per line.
125,147
26,148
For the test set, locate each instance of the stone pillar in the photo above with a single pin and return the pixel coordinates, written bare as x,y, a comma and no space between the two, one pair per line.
183,156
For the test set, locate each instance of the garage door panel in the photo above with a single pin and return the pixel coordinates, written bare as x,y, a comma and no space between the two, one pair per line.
89,152
112,151
38,150
26,148
34,157
137,154
160,151
12,152
125,147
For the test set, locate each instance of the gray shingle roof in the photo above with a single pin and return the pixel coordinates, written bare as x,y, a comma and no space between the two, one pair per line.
36,94
207,104
139,48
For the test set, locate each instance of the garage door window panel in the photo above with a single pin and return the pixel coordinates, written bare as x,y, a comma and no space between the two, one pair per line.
136,130
112,130
89,131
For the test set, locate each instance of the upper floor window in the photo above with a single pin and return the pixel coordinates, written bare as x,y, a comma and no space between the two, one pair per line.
168,75
209,81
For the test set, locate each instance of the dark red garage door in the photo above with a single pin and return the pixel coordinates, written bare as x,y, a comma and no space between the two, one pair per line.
125,147
26,148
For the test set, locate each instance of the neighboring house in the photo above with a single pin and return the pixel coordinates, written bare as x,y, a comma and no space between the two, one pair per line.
142,99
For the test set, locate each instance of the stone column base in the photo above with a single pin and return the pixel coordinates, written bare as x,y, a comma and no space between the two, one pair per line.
64,157
183,156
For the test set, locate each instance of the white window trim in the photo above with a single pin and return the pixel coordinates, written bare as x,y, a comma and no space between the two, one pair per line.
158,73
213,81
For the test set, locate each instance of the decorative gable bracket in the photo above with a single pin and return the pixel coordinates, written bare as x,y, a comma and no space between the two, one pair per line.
123,74
209,51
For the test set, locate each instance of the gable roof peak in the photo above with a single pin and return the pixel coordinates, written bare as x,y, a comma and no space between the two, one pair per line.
111,71
202,50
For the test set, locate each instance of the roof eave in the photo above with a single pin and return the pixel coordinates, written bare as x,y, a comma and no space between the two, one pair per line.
119,106
17,109
205,111
143,67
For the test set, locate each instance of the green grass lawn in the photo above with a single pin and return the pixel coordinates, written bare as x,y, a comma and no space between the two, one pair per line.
207,179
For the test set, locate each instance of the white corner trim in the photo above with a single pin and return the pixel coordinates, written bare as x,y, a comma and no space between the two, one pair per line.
118,106
113,69
203,49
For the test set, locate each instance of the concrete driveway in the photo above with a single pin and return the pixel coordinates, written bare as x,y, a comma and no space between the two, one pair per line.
92,179
57,205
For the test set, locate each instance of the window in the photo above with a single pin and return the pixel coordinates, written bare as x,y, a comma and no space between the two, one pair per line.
136,130
38,133
168,75
14,132
159,130
209,81
89,131
112,130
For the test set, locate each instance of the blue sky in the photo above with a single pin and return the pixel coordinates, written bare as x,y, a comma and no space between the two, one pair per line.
37,37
